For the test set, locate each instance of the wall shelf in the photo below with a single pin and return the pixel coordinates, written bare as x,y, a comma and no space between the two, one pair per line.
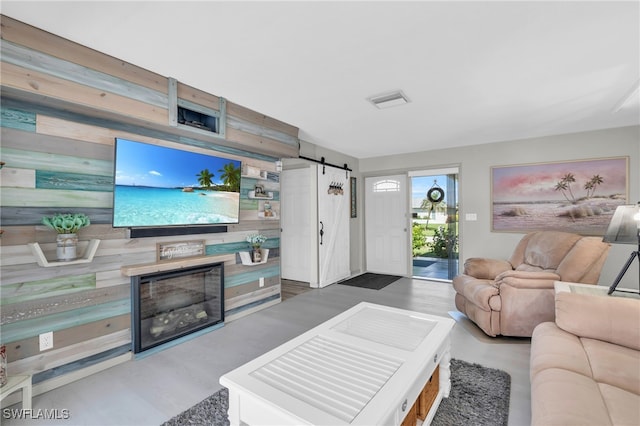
274,216
245,257
252,195
89,253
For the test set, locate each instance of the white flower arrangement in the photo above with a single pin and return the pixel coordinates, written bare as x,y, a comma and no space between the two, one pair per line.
256,240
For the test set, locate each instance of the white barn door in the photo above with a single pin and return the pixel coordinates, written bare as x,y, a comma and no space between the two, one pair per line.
386,224
333,225
296,244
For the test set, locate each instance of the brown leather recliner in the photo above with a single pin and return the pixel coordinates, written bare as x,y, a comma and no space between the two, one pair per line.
510,298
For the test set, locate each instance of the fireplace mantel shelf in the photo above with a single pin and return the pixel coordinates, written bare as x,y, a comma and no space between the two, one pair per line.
148,268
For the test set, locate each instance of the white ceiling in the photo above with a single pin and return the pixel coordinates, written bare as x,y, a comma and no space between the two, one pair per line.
475,72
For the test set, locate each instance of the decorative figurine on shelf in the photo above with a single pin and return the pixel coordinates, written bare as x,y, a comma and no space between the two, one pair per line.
256,241
66,225
267,209
258,190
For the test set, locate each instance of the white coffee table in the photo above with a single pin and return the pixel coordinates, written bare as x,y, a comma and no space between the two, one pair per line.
366,366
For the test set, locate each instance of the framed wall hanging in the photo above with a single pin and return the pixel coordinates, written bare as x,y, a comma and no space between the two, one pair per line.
572,196
354,208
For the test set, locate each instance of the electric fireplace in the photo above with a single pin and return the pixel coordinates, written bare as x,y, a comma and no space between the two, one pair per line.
170,305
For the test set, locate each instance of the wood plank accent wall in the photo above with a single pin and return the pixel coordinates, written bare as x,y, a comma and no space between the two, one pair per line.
63,105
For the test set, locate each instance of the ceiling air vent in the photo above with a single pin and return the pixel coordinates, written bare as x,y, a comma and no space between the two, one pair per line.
389,100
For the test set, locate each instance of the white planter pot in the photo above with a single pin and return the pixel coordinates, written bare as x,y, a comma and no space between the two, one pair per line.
66,247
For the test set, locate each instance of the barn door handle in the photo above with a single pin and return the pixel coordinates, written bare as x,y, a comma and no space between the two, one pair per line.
321,231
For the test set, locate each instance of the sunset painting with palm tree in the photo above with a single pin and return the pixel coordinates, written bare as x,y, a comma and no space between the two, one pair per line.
576,196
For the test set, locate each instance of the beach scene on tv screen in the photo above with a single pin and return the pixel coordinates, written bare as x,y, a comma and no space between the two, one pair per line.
160,186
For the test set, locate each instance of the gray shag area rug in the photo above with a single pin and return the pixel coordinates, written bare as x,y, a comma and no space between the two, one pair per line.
479,396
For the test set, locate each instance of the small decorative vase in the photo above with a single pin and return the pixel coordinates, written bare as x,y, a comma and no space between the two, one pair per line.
256,254
66,247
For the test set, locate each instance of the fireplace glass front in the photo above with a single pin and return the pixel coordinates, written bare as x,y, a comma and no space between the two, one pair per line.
173,304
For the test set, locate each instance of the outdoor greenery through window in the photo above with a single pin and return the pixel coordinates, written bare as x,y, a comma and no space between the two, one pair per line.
434,210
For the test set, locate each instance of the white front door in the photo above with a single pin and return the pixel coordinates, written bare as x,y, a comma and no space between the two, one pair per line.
333,225
387,224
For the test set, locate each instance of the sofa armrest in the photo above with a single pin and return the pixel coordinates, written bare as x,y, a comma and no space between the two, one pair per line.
607,318
485,269
528,279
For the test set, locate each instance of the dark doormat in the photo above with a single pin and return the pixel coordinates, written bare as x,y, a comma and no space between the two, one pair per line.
371,281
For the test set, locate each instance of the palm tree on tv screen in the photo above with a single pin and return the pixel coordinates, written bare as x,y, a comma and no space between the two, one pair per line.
231,177
205,178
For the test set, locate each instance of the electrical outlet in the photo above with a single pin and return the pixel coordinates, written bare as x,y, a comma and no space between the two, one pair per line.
261,282
46,341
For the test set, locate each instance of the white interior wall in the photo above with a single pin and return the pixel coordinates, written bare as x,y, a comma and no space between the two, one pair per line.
476,237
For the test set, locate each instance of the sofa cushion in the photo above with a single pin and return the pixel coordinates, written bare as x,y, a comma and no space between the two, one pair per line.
613,365
543,250
556,348
562,397
583,264
623,407
612,319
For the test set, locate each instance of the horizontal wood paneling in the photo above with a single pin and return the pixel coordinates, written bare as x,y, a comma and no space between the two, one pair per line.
247,127
251,298
266,270
63,107
251,116
56,322
249,308
17,178
67,301
52,126
35,142
116,330
18,158
40,62
199,97
17,197
73,181
250,287
15,233
26,291
47,85
16,119
42,41
263,143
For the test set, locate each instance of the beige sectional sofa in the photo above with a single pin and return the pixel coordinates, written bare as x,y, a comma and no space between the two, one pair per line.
585,366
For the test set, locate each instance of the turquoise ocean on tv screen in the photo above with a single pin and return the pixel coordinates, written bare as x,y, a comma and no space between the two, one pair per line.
137,206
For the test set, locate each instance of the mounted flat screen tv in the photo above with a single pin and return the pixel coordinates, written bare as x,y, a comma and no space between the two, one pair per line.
157,186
